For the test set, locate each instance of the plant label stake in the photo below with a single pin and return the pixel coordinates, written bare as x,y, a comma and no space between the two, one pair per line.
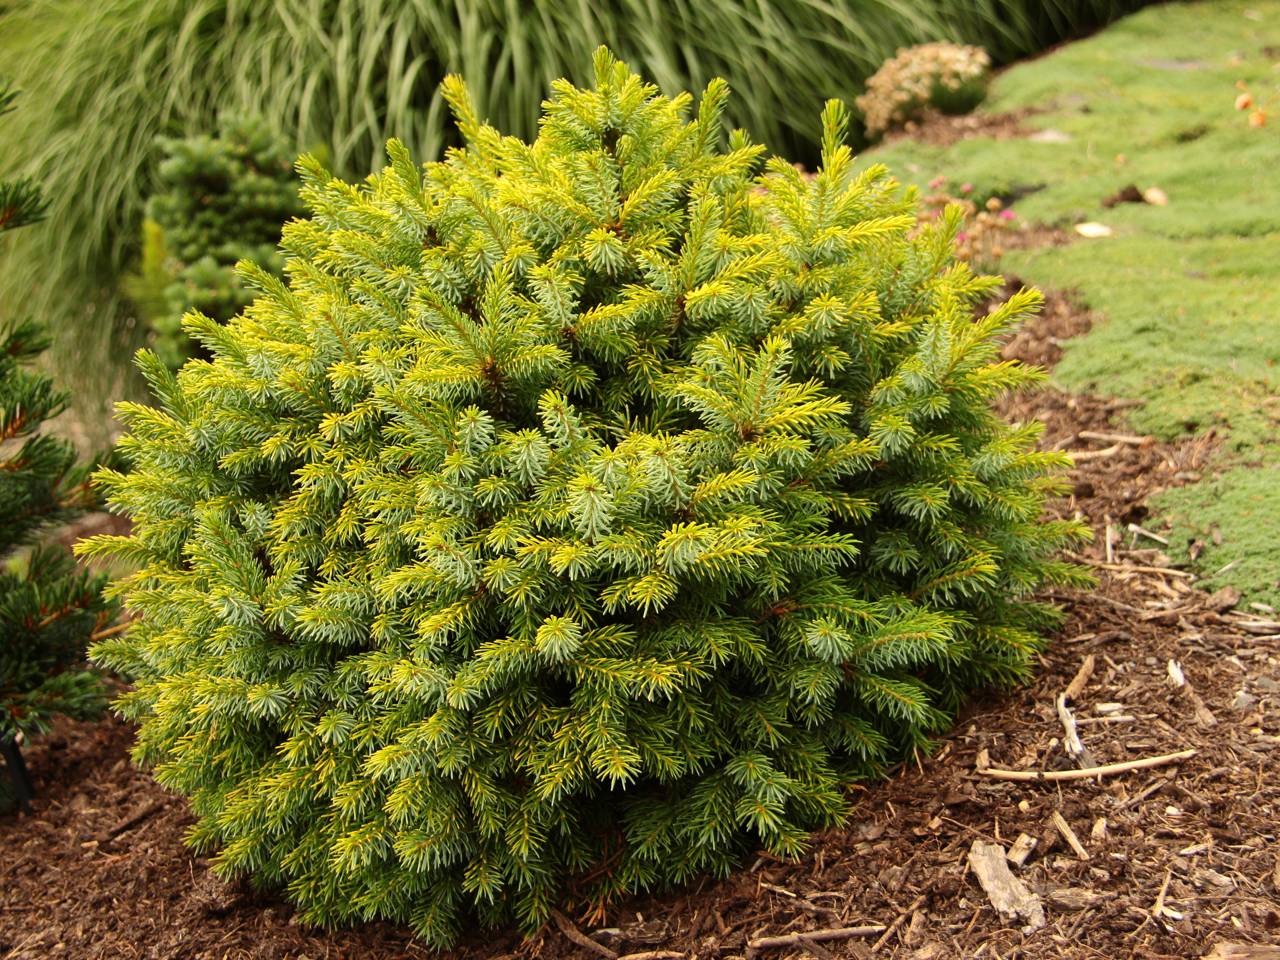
17,773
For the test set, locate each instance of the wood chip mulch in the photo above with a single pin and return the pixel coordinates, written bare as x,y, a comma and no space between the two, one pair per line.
1172,861
943,130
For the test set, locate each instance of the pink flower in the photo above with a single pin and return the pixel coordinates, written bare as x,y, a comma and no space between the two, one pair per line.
936,182
966,188
962,236
1007,214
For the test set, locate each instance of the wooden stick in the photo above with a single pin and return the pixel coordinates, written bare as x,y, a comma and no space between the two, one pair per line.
893,927
1122,438
1072,739
1080,456
801,903
794,939
1164,571
1146,792
1109,718
1078,682
1123,404
1069,835
1158,907
110,631
1144,532
568,928
1252,625
126,825
1133,567
1052,776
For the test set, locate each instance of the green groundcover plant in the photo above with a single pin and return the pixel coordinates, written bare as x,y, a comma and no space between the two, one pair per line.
579,516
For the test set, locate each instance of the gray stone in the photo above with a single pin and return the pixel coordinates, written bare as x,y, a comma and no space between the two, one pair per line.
1243,701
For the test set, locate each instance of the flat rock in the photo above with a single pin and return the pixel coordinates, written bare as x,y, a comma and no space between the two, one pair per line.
1243,701
1160,63
1050,135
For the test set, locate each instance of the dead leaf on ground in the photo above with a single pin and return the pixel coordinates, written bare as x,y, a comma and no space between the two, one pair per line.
1127,194
1092,230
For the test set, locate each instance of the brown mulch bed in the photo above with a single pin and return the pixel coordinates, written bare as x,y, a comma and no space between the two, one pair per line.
1039,341
1172,860
942,130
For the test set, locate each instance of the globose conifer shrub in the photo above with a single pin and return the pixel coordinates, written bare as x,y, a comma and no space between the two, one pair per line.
578,516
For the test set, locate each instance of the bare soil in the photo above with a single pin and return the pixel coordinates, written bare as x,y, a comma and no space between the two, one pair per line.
1173,861
1040,341
942,130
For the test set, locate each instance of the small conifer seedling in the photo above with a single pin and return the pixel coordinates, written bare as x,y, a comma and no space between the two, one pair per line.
578,516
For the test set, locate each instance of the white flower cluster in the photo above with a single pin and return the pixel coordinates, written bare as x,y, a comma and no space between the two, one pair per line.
948,76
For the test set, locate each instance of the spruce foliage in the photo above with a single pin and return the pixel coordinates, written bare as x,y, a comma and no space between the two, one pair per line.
579,516
221,200
48,607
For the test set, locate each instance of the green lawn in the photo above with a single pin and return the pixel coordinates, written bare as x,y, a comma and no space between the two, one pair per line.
1190,291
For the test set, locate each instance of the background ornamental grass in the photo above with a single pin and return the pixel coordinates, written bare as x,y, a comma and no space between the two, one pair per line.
341,76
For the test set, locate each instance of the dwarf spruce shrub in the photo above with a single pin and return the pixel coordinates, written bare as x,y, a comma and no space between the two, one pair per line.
220,200
49,608
579,516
